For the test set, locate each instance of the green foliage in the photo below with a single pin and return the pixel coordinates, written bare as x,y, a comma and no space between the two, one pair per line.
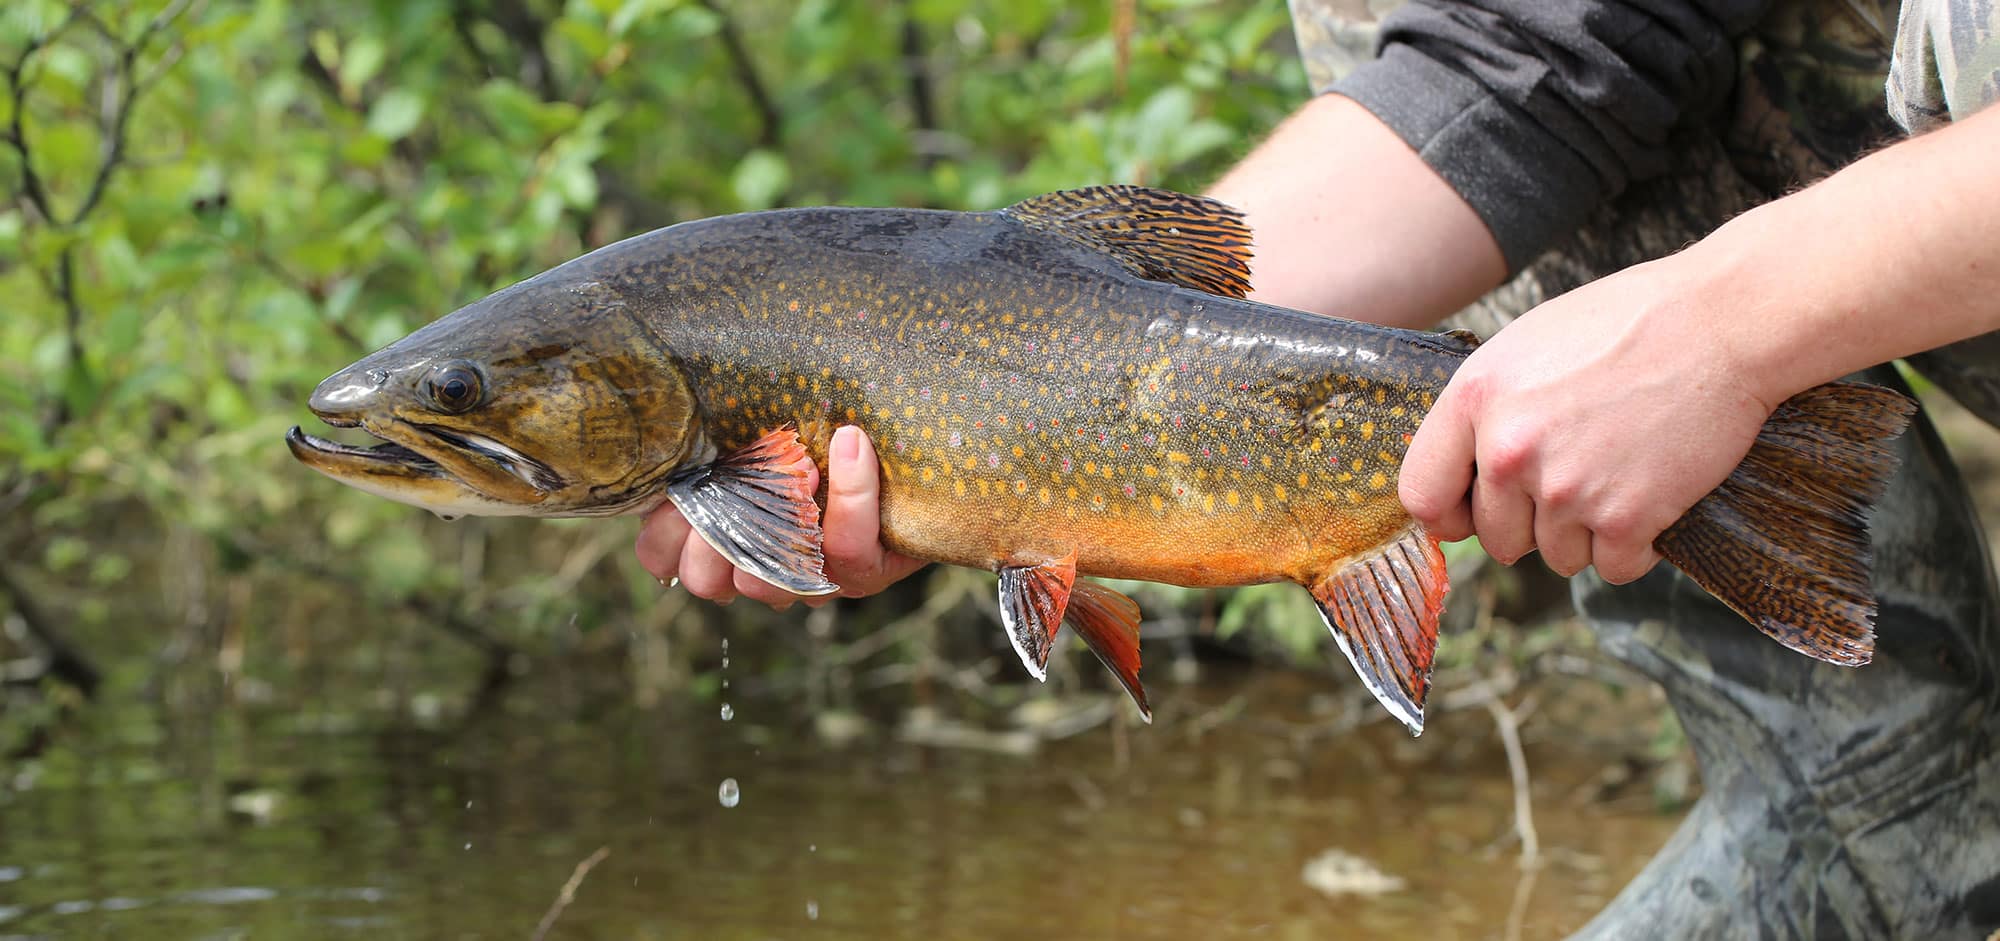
214,204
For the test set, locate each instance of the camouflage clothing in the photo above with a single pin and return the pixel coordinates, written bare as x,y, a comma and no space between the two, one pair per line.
1838,802
1947,62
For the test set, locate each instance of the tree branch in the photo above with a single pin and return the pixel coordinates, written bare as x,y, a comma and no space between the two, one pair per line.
770,121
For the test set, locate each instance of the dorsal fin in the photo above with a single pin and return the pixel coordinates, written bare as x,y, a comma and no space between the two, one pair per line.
1192,241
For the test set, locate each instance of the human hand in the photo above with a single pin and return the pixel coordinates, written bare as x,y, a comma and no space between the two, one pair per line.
855,558
1588,426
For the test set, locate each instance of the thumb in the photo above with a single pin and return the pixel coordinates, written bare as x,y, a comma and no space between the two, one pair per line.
853,521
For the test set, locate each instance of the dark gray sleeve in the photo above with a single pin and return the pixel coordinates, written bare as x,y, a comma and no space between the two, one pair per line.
1536,111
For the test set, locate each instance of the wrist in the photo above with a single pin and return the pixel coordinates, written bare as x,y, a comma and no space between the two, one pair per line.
1742,290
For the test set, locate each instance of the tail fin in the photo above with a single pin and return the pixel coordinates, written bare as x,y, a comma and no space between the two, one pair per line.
1784,541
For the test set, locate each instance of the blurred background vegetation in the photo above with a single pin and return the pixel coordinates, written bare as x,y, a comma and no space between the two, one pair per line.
212,204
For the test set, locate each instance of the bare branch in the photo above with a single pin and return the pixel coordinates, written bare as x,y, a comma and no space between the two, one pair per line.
568,893
771,123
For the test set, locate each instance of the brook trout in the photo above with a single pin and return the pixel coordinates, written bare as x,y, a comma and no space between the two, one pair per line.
1073,385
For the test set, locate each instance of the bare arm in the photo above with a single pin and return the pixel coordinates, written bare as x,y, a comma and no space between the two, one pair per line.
1349,221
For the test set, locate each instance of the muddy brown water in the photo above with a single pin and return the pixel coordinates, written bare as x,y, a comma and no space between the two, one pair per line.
289,823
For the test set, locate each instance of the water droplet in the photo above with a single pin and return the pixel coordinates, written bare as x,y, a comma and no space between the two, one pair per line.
725,646
812,847
468,805
728,794
725,663
468,846
728,713
812,910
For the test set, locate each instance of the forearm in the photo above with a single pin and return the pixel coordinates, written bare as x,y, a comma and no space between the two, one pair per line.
1891,256
1349,221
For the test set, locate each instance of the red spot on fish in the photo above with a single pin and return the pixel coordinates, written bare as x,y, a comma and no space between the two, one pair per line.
1333,462
1204,452
1177,421
1406,439
1101,436
924,393
1246,460
1243,385
1131,491
1065,464
1031,424
902,446
979,424
1001,419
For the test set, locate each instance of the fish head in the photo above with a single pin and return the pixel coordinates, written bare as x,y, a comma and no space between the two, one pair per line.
546,399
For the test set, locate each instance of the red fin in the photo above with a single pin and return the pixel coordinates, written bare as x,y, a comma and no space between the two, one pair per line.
1383,609
1784,541
755,506
1109,624
1032,601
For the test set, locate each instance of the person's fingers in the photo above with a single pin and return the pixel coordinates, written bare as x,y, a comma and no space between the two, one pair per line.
757,589
853,508
1564,544
1619,562
855,558
1437,471
661,538
705,573
1504,517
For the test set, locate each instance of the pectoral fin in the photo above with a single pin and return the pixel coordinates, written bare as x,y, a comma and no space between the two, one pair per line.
1383,608
755,506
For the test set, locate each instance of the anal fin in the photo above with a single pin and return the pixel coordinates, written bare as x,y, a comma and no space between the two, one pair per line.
1383,609
755,506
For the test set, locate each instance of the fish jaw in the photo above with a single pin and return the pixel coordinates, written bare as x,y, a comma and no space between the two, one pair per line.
395,472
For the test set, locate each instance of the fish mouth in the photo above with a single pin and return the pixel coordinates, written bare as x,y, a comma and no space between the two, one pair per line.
326,455
449,472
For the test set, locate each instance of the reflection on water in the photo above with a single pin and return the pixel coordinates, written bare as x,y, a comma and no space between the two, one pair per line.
291,824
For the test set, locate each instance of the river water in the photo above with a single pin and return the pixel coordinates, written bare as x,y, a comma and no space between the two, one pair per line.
283,823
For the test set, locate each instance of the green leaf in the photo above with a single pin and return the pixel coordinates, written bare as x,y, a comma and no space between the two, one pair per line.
395,114
760,179
359,63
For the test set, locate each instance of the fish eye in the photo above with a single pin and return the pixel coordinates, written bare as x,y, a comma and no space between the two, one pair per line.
454,387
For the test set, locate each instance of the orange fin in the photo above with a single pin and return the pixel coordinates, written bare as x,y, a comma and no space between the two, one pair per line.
1160,235
1383,609
1032,601
1784,540
755,507
1109,624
